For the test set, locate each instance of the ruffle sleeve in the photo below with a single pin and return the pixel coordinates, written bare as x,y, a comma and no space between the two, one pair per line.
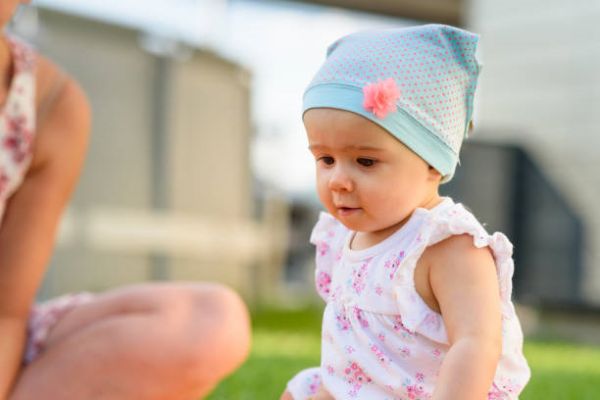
327,236
417,316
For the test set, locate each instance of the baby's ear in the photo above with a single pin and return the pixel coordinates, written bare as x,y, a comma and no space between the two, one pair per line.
434,174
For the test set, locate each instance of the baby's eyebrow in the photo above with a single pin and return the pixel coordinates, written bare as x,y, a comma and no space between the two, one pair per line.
365,148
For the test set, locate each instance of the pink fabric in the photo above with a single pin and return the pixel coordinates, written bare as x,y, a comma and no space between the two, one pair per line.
380,340
381,97
17,122
45,316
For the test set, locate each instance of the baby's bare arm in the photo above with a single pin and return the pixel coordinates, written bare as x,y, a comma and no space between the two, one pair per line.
464,281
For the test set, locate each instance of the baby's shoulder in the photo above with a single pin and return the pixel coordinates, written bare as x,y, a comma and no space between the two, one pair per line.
459,244
456,251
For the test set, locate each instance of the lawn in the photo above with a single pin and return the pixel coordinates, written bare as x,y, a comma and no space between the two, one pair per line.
285,342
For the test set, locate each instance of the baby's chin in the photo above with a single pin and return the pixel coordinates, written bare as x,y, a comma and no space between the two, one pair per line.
358,221
363,228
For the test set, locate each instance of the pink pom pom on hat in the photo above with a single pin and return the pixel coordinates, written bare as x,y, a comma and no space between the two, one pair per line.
381,97
418,83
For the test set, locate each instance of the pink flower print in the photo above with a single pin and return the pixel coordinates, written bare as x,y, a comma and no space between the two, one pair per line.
358,281
350,349
399,325
356,377
432,320
504,391
338,256
322,248
24,59
381,337
380,98
343,323
497,394
314,384
405,352
379,290
323,283
379,354
330,370
18,141
358,313
393,264
420,377
436,352
414,392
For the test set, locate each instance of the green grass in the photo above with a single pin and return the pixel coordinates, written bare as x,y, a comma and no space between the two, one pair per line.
562,371
288,341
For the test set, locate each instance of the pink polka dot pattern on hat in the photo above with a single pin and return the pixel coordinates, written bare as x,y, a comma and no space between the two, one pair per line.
434,67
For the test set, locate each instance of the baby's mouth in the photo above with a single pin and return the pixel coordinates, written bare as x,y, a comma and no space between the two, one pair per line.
347,210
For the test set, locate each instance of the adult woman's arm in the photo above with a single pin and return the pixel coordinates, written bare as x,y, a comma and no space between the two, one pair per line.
27,233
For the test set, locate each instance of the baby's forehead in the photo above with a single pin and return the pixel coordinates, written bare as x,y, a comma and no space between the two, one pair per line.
332,117
351,138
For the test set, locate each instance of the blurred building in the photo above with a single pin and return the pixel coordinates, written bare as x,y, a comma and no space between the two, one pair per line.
166,192
539,90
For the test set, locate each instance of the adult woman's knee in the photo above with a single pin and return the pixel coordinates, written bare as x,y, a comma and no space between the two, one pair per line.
219,328
232,321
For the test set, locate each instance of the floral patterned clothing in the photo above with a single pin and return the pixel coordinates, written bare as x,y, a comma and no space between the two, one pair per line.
17,122
17,134
380,340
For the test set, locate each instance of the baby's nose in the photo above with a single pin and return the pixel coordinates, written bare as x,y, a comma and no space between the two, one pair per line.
340,179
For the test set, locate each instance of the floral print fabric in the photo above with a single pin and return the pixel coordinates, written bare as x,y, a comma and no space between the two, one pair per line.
17,122
380,340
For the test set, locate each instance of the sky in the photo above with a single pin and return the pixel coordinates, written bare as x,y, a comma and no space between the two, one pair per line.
282,44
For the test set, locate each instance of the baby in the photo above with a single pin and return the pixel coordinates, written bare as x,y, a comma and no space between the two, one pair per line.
418,293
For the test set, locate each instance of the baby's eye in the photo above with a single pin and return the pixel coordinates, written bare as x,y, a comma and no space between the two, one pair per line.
365,162
326,159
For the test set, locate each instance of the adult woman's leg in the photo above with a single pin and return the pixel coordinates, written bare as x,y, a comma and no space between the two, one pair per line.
151,341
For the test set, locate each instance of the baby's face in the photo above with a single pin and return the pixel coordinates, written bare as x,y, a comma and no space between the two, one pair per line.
366,178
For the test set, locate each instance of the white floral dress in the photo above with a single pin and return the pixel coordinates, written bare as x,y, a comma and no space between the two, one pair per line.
380,340
17,134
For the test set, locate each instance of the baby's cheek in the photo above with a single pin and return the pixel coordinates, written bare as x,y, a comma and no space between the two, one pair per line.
325,198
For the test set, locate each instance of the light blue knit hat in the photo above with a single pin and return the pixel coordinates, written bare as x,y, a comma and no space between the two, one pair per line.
418,83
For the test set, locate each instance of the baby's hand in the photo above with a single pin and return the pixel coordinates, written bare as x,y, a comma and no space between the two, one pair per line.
322,394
